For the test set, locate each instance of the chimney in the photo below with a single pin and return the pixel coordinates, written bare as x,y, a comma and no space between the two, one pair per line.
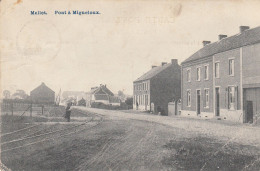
174,61
206,42
163,63
153,66
221,36
243,28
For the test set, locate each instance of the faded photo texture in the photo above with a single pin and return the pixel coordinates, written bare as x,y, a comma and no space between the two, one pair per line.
130,85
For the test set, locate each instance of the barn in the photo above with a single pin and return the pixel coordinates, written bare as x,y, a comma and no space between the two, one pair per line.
42,95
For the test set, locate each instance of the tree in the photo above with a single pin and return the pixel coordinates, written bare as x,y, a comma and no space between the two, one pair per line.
20,94
6,94
129,101
121,95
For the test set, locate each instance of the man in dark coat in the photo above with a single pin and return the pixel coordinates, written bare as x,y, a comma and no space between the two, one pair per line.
68,112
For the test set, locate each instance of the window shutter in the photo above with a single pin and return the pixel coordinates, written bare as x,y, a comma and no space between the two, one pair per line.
226,99
236,98
203,95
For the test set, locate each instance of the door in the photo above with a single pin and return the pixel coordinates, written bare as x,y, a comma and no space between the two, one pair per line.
249,111
198,102
217,101
146,101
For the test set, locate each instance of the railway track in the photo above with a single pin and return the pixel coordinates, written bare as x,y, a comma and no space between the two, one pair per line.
26,141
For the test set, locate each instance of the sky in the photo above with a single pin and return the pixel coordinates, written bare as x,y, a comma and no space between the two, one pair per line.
77,52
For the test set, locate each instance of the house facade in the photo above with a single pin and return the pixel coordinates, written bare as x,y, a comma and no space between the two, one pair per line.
156,88
42,95
101,94
222,79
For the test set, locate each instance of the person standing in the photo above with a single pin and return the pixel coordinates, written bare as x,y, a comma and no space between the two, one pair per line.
68,112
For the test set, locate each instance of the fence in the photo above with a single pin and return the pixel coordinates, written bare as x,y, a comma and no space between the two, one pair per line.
24,107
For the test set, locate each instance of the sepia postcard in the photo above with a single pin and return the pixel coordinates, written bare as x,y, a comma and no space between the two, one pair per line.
130,85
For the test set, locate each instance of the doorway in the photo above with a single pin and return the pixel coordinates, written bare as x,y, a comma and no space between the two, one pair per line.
217,101
198,102
249,111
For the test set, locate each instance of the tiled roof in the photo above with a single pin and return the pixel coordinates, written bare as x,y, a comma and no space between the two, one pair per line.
247,37
153,72
103,88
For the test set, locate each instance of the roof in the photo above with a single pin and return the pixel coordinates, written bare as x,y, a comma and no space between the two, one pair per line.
247,37
153,72
102,88
101,97
93,90
42,87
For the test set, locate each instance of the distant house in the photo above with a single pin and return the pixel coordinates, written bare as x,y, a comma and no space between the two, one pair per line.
43,94
72,97
78,95
156,88
101,94
223,78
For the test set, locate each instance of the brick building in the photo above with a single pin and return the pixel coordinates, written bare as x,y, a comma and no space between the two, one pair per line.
43,95
156,88
223,78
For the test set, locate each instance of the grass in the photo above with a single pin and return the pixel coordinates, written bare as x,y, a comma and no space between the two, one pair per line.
207,154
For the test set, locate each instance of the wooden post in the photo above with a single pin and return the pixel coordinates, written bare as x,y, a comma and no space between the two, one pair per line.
31,110
12,109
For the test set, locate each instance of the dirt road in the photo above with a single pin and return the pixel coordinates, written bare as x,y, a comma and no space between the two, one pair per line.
223,130
124,141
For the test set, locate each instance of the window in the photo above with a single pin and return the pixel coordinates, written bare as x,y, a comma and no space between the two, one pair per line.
231,98
198,74
231,67
188,75
206,98
217,69
206,72
188,98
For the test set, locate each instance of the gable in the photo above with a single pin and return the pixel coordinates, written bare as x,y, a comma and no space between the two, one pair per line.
42,88
100,91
